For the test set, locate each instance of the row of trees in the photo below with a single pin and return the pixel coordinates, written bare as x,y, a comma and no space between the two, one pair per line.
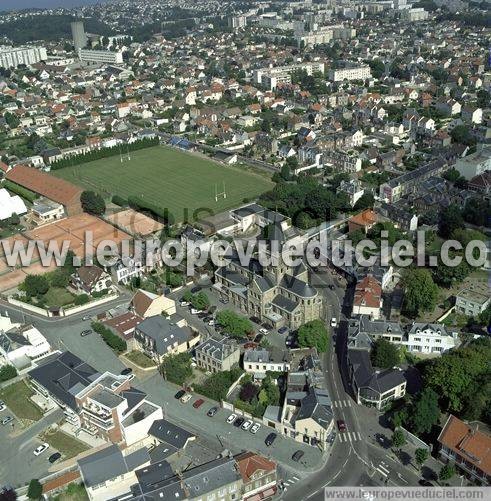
112,340
104,153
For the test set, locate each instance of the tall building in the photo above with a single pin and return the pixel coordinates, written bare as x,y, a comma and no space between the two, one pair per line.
11,57
237,22
78,35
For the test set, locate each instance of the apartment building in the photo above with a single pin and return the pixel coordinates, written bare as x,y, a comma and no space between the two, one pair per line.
100,56
342,161
271,77
476,163
261,360
11,57
350,72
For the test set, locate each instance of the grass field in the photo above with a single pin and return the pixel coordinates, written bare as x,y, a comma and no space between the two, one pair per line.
171,179
17,398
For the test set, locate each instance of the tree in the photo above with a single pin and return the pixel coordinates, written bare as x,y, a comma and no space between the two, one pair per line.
450,220
313,334
35,489
477,211
233,324
200,301
398,438
461,134
447,472
177,368
35,285
421,293
385,354
366,201
285,172
93,203
425,412
60,278
248,392
421,455
7,372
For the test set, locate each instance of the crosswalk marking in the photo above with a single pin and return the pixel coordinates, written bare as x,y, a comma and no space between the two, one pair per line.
338,404
350,436
383,469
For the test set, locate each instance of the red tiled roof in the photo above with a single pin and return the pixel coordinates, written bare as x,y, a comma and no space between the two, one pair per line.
471,444
250,462
368,293
365,218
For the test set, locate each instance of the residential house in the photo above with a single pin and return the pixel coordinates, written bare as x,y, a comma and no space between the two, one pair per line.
476,163
473,300
159,336
468,447
364,221
374,388
259,476
108,473
147,304
353,189
368,298
217,355
91,279
258,361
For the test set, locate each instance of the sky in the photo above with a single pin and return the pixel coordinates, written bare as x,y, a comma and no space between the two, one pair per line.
42,4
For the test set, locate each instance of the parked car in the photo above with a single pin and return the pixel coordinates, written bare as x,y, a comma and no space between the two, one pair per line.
211,322
255,427
263,330
179,394
54,457
341,425
246,425
258,338
87,317
238,422
194,311
425,483
126,371
202,315
198,403
196,289
270,439
6,420
186,398
231,418
283,330
183,304
40,449
86,332
212,411
297,456
334,322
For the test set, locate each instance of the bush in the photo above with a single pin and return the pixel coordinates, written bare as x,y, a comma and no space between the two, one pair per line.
81,299
35,285
99,294
218,384
92,203
7,372
112,340
118,200
35,489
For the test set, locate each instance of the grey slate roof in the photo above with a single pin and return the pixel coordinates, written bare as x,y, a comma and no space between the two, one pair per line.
298,287
284,303
210,476
63,376
109,463
163,332
169,433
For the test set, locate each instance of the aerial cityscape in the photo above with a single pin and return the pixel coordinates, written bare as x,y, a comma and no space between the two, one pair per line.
244,250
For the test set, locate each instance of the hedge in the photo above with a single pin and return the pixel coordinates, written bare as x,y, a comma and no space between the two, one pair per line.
158,212
104,153
112,340
21,191
118,200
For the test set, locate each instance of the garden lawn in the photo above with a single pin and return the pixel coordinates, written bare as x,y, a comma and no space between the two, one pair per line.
140,359
67,445
181,182
56,296
17,398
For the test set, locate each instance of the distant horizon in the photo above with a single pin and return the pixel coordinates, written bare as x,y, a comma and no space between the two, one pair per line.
7,5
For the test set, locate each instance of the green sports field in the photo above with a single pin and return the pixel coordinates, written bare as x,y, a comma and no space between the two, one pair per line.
172,179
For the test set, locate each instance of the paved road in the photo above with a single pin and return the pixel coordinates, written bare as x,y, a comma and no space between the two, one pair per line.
18,464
